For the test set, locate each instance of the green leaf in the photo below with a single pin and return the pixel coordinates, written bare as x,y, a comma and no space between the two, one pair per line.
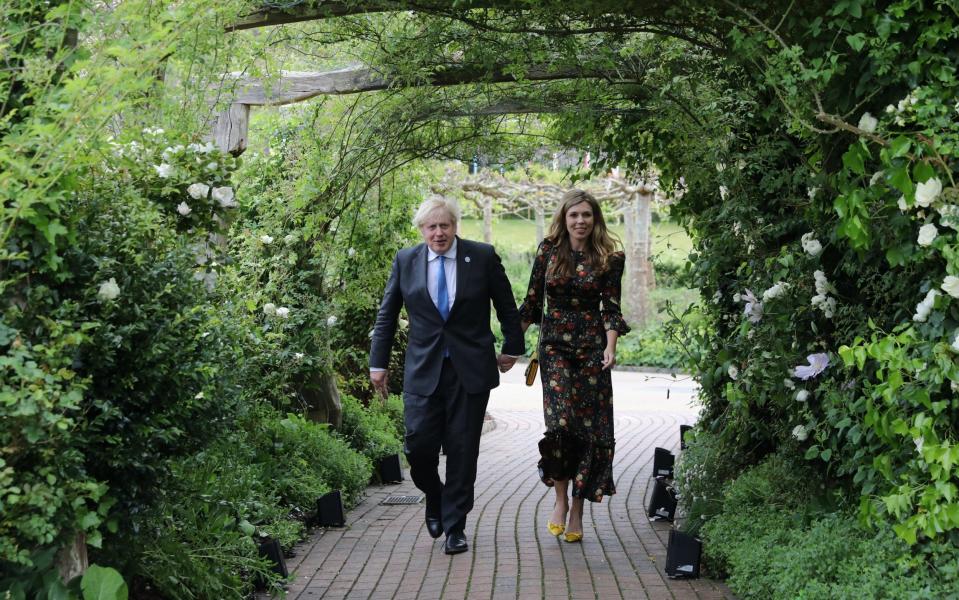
853,160
899,146
246,527
906,532
922,171
103,583
826,454
899,179
856,42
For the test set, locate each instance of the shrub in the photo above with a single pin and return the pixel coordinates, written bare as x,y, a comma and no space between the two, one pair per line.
369,430
772,553
304,460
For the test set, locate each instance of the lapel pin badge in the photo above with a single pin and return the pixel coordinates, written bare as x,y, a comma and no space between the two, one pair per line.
467,259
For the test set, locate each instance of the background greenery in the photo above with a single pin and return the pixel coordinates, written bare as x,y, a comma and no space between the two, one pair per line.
140,351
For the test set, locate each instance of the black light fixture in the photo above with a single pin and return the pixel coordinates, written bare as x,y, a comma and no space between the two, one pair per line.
683,555
663,461
329,510
272,551
389,469
662,502
682,435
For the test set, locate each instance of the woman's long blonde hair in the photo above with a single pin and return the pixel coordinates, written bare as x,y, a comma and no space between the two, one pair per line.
599,246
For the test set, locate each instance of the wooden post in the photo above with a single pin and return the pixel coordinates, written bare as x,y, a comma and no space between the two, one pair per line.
487,219
540,222
231,129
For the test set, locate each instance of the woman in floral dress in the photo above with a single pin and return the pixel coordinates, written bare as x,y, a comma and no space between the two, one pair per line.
581,269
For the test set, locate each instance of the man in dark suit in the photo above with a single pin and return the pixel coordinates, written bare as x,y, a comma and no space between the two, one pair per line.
446,284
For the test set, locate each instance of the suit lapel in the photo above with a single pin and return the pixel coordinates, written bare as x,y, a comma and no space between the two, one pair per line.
420,267
463,263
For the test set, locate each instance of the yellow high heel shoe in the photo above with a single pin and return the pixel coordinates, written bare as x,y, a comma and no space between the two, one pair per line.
573,537
555,529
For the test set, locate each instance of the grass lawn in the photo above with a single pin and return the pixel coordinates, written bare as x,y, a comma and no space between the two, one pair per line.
670,242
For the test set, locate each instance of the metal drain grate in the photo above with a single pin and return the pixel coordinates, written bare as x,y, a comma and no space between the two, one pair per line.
402,500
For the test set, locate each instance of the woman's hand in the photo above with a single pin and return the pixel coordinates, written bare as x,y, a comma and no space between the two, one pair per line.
609,357
609,354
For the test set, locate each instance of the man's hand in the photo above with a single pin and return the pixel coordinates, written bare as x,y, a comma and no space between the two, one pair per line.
505,363
380,380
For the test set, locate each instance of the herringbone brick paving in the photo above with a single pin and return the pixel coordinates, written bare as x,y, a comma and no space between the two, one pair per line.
384,551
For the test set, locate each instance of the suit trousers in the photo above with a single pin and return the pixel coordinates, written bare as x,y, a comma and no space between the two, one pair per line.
454,419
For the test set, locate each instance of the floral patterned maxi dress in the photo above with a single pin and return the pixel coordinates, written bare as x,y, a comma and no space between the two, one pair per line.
577,392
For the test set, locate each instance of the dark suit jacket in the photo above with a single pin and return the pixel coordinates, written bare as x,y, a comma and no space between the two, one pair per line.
480,277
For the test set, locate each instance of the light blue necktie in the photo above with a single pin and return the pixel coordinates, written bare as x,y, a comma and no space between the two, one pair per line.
442,295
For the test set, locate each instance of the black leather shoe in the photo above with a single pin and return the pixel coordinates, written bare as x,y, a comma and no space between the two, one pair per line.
455,543
434,522
434,526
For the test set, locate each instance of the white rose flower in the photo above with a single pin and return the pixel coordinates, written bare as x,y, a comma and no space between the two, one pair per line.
775,291
404,323
298,356
109,290
901,203
163,170
198,191
723,192
810,244
902,104
331,321
925,307
802,395
224,195
733,372
183,208
266,239
928,191
927,234
351,252
269,309
754,308
800,433
283,312
737,297
890,109
868,123
950,285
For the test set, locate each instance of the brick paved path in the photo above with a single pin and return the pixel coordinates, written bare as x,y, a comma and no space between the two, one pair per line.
385,552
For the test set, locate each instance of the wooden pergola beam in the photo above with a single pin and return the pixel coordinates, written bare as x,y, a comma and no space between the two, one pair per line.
230,130
299,86
268,17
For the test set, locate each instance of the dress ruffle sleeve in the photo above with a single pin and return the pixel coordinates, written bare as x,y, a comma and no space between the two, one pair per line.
532,309
611,293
